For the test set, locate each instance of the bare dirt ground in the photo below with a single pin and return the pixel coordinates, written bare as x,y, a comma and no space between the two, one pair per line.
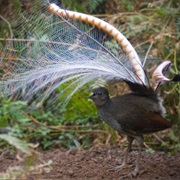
96,162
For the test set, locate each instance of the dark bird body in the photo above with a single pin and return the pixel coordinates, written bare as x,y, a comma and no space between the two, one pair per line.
133,114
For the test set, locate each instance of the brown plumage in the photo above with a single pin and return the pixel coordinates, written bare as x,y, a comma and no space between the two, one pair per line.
133,114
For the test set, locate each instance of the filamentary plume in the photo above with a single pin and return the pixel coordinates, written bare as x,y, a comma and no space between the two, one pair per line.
60,48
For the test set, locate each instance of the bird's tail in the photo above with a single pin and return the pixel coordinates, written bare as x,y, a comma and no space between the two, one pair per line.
60,48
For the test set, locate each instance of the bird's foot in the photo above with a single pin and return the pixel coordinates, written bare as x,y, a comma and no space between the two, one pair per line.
134,173
119,168
130,175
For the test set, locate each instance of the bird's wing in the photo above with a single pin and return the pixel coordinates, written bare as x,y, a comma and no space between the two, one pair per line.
139,114
151,122
147,122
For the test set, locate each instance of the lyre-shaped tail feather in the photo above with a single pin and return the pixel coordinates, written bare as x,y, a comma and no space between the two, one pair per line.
159,75
112,31
58,51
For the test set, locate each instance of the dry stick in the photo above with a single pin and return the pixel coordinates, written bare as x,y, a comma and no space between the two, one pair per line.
108,139
152,42
142,43
4,153
80,131
158,138
61,128
146,145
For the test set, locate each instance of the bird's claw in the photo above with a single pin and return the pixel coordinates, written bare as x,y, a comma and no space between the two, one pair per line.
134,173
119,168
130,175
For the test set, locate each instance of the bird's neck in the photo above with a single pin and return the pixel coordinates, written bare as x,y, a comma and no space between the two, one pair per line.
104,103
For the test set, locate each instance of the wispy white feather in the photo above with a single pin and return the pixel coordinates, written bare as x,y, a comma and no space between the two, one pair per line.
52,51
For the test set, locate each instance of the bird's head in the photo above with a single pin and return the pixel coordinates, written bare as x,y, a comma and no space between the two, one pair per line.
100,96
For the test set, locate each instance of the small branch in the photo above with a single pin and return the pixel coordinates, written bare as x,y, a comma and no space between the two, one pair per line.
158,138
145,42
64,128
146,146
4,153
108,139
152,42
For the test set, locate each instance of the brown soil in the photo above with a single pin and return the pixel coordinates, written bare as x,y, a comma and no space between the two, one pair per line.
96,162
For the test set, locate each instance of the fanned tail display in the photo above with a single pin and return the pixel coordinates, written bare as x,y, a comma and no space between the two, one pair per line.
69,50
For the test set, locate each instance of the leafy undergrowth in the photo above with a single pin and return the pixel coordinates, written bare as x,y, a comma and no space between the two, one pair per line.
154,30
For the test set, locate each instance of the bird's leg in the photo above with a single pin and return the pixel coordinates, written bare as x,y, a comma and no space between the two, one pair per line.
136,170
128,150
124,163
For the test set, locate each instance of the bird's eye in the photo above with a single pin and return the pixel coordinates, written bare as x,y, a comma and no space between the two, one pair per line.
99,93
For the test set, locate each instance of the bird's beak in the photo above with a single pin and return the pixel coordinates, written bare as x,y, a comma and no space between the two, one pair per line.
91,96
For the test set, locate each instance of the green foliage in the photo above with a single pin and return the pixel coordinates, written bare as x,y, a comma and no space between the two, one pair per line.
153,27
19,144
82,6
77,113
127,5
17,5
79,109
11,112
